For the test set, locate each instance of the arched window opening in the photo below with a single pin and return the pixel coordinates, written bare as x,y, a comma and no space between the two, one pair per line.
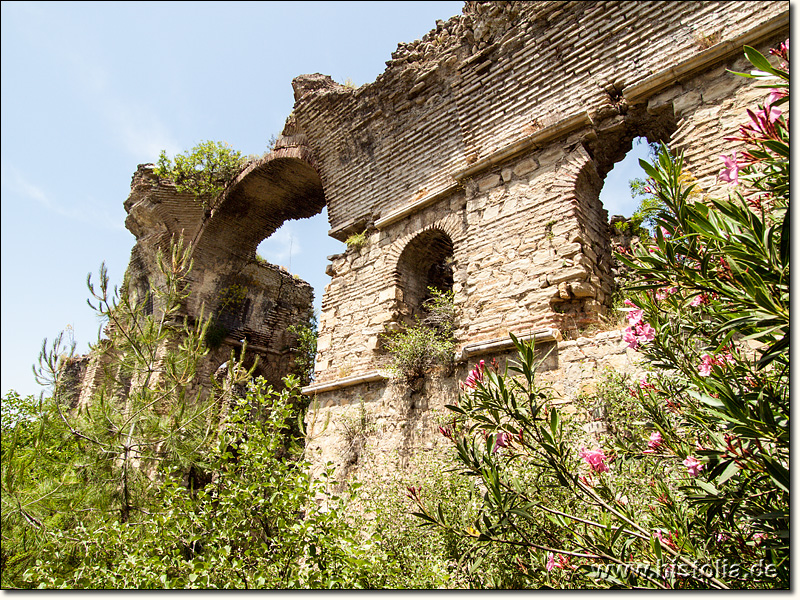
426,263
302,246
616,195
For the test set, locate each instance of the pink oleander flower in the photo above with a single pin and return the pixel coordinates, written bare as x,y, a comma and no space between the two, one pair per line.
629,337
595,459
655,441
503,440
563,562
721,537
638,334
700,300
776,94
705,366
768,114
781,51
664,231
635,316
708,361
646,333
645,385
662,293
475,376
551,561
730,173
693,466
759,538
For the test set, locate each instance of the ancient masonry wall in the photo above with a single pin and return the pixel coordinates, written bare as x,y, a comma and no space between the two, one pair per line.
490,138
247,298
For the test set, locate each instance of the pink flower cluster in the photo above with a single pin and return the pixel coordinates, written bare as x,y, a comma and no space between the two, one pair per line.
563,562
693,466
637,332
662,293
595,459
475,376
781,52
708,361
730,174
655,442
701,300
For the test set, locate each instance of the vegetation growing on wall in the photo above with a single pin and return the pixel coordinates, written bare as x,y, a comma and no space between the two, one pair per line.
428,342
203,171
305,349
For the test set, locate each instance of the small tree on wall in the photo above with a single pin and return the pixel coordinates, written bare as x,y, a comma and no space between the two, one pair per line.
426,343
203,171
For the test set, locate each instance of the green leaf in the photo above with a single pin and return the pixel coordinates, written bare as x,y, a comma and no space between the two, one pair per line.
729,472
778,473
758,60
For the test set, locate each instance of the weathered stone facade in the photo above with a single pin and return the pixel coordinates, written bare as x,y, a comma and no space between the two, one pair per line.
483,147
473,163
249,299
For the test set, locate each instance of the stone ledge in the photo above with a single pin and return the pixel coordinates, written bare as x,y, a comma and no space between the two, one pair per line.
505,343
409,209
546,134
343,383
704,59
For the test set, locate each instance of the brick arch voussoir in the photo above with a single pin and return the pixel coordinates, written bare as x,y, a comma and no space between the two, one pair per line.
450,225
239,202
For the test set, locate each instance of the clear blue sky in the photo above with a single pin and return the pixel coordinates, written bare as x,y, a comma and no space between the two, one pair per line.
90,90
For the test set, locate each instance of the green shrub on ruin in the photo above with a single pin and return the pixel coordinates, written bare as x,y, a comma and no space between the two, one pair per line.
203,171
426,343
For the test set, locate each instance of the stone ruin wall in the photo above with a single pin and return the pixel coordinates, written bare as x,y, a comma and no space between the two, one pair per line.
491,137
254,301
486,143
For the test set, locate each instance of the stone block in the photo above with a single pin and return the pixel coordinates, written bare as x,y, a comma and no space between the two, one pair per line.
324,342
686,102
524,167
392,293
721,88
571,274
488,182
657,103
582,290
569,250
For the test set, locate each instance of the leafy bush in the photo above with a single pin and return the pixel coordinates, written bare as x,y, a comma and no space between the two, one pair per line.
428,342
203,171
255,524
356,241
305,349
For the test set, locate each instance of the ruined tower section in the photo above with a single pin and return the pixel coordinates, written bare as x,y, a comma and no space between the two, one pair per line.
479,154
246,298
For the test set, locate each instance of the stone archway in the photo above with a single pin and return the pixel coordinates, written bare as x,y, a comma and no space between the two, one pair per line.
426,262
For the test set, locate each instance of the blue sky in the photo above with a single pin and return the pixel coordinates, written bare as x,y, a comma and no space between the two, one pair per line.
90,90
